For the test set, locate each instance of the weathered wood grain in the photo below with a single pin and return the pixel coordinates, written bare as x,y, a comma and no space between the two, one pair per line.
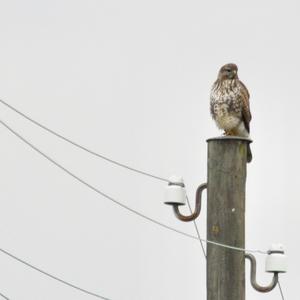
227,160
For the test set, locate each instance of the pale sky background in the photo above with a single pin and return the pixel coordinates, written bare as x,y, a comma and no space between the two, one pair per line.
131,79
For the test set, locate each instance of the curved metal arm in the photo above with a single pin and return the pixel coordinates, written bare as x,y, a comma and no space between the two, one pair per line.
255,285
196,213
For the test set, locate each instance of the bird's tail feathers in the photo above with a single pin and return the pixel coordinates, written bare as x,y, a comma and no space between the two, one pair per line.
249,154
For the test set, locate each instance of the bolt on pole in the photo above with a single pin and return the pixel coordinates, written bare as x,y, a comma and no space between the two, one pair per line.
226,181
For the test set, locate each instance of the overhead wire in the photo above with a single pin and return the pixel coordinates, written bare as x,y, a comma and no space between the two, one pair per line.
196,227
91,186
4,297
116,202
95,154
52,276
102,193
280,289
80,146
236,248
106,196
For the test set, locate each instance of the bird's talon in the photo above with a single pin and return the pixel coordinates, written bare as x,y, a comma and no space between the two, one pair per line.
228,133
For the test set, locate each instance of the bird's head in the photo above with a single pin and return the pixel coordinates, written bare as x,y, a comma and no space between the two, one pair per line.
228,71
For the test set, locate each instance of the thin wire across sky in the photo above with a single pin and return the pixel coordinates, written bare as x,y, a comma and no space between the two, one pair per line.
4,297
113,162
104,195
52,276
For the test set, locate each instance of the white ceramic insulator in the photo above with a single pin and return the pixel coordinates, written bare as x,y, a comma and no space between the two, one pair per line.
276,247
176,179
175,194
276,262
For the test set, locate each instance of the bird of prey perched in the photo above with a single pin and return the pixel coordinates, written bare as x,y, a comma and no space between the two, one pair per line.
229,104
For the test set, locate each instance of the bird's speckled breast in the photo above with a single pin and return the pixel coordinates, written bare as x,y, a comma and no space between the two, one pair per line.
225,103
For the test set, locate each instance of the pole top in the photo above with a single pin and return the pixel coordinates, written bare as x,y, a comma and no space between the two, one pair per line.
230,137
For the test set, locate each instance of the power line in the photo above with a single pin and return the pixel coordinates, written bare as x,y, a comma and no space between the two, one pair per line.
236,248
80,146
220,244
196,227
90,186
116,201
280,289
106,196
113,162
3,296
52,276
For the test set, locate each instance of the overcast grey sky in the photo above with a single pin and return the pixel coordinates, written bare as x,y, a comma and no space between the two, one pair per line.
131,79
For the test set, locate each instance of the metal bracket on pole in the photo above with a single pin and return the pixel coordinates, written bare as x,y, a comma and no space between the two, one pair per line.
197,210
176,195
226,181
255,285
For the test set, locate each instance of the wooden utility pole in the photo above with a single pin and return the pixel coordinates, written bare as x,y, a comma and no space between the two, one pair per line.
227,161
